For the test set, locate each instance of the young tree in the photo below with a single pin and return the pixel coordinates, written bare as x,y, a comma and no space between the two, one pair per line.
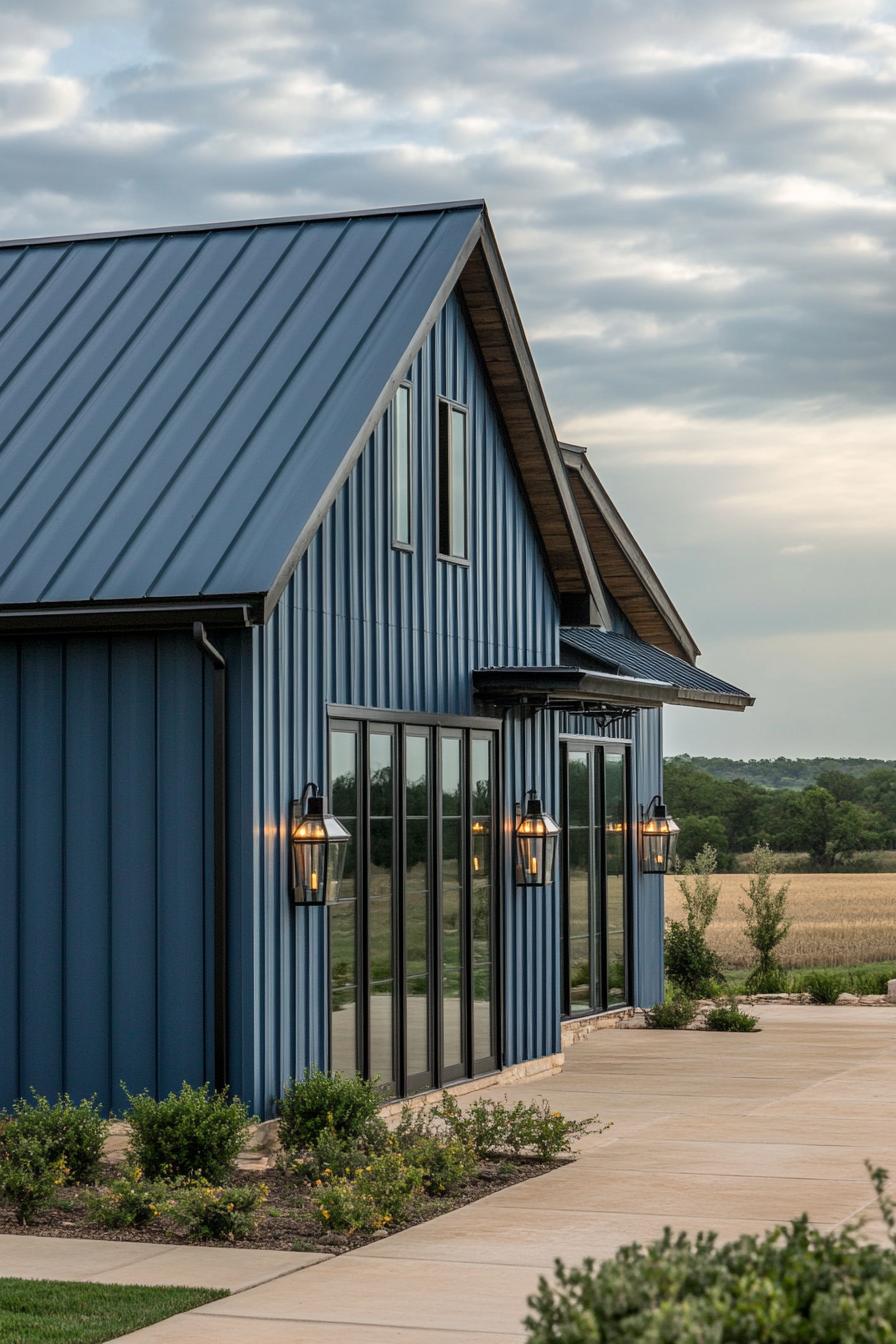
691,964
766,913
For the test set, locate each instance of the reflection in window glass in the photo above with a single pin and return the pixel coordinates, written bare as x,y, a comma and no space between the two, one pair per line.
452,906
416,910
343,915
401,466
453,506
579,883
482,881
615,841
380,895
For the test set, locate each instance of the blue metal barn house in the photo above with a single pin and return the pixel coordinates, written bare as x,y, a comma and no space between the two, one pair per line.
282,502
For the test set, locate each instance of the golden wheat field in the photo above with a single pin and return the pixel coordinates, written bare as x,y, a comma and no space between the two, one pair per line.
839,919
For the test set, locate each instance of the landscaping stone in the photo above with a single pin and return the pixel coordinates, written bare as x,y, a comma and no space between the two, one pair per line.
891,991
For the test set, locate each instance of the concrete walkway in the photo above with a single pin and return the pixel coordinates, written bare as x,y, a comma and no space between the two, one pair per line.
709,1130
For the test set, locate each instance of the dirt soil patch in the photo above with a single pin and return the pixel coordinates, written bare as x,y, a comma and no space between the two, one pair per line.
286,1221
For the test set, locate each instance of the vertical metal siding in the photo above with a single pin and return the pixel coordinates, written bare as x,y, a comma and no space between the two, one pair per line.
361,623
105,907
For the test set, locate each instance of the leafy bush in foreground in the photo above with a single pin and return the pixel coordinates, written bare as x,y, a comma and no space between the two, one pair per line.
29,1176
191,1134
673,1015
69,1133
793,1285
128,1201
215,1212
690,963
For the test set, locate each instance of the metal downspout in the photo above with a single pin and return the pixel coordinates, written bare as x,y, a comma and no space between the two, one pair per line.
219,808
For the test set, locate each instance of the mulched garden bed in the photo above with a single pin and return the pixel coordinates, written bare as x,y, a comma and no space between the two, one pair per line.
286,1222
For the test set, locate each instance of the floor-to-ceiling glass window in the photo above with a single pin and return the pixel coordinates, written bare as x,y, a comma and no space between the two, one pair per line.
596,933
413,942
380,901
343,916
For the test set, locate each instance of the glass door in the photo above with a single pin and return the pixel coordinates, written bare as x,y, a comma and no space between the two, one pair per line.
596,921
413,938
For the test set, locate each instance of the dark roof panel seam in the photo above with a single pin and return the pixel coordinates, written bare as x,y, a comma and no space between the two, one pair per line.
118,418
182,334
335,379
97,383
268,410
218,413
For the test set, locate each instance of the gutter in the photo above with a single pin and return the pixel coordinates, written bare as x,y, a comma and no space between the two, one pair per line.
219,809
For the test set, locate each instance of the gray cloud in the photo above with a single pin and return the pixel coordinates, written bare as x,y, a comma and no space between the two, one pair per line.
696,205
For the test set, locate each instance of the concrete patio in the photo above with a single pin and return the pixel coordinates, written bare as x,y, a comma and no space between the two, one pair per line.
709,1131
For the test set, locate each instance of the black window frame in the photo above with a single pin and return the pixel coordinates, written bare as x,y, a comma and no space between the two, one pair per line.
597,748
365,721
397,543
444,447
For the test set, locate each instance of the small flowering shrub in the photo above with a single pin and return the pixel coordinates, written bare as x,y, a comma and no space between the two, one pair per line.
823,986
194,1134
217,1212
492,1129
69,1133
345,1105
377,1195
128,1201
445,1161
29,1175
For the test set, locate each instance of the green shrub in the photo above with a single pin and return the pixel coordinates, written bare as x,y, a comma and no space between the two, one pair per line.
128,1201
823,986
675,1014
868,982
381,1193
491,1129
217,1212
794,1285
728,1017
29,1175
321,1101
70,1134
332,1154
191,1134
691,965
774,981
445,1161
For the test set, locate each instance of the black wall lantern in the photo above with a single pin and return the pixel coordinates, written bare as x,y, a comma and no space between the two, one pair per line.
659,836
536,844
319,843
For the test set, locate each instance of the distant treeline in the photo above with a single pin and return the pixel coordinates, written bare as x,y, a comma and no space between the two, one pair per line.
837,812
783,772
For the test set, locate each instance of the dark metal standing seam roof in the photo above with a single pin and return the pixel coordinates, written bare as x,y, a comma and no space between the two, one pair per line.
633,658
175,405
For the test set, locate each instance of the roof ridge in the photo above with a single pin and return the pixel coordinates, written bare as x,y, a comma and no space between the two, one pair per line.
273,221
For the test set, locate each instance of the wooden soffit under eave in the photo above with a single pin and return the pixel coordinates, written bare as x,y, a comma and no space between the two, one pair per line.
630,581
489,302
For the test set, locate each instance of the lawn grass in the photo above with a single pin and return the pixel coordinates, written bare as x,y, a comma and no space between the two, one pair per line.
44,1311
735,979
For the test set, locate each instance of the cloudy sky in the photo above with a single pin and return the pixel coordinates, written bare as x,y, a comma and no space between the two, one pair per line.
696,205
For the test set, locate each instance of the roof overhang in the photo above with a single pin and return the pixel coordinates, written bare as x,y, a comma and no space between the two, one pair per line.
127,616
578,688
625,570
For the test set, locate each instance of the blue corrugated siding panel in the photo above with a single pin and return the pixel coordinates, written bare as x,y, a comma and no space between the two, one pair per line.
633,657
363,624
106,902
173,407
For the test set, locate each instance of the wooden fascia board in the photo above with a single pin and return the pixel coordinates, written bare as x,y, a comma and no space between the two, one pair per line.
576,460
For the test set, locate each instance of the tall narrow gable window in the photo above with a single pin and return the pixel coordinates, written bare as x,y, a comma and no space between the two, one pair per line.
401,467
453,504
